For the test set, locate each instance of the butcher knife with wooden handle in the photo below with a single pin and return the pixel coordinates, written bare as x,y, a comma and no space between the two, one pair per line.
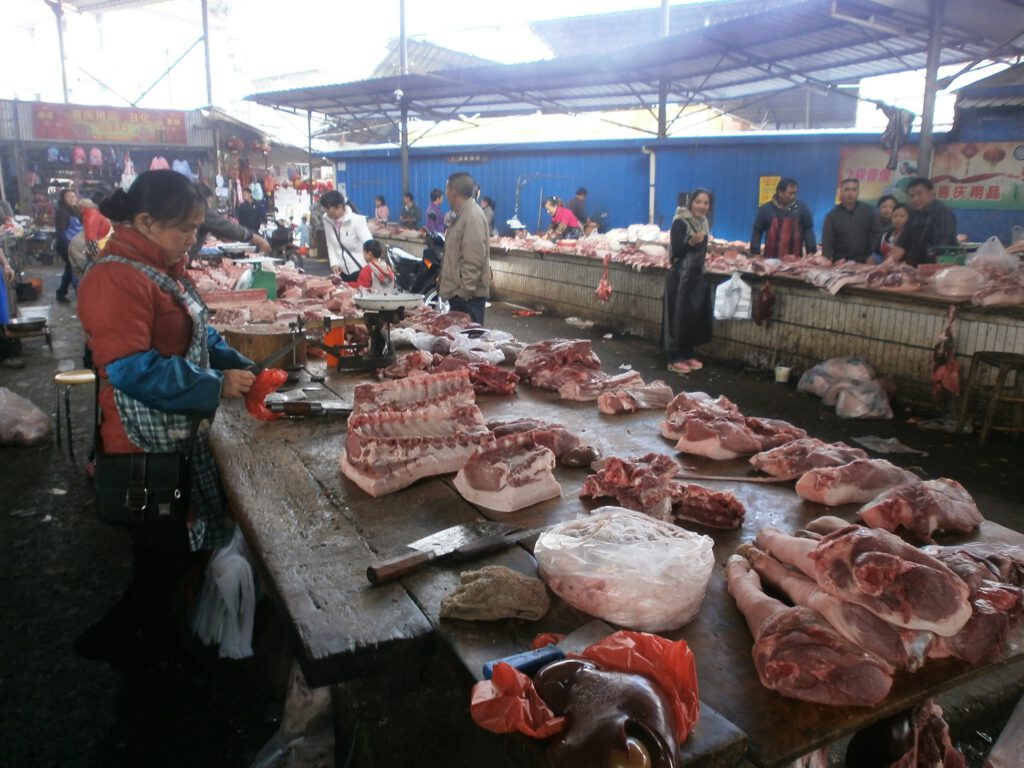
530,662
460,542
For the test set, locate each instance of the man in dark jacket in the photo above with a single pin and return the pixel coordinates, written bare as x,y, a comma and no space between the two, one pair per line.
931,225
223,228
250,214
852,229
786,224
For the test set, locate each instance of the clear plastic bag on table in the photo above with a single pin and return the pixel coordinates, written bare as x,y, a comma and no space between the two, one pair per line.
477,348
732,299
816,381
992,255
627,568
849,368
21,422
862,400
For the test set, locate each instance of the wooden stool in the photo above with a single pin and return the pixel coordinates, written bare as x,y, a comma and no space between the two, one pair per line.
1004,363
67,380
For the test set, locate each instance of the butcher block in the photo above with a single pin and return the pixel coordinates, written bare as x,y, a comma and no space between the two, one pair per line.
315,532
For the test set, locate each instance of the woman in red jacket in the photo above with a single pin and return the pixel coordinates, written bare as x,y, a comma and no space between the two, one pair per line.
162,372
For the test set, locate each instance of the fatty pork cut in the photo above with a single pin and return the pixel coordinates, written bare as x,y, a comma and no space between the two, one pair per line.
856,482
900,648
881,572
798,654
790,460
923,507
550,364
708,427
515,472
404,430
653,396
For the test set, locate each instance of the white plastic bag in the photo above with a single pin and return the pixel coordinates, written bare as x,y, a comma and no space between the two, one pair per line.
627,568
226,609
21,422
732,299
992,255
862,400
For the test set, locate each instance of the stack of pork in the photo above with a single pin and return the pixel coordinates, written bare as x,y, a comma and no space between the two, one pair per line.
865,602
298,295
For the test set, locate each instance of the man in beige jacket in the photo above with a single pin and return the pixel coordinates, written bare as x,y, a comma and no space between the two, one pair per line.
466,271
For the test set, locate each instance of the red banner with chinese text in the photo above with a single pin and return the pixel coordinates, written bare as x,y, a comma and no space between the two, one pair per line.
69,122
980,175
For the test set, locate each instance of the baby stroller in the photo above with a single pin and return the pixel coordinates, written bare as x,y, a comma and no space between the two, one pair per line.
415,274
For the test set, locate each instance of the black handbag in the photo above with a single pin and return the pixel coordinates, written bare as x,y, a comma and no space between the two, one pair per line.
136,488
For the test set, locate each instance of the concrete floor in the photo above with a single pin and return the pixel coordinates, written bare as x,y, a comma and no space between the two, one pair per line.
61,568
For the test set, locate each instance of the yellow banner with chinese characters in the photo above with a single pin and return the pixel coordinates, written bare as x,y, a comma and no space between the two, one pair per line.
70,122
980,175
766,188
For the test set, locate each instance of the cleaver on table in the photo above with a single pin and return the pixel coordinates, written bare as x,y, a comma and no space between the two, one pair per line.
530,662
460,542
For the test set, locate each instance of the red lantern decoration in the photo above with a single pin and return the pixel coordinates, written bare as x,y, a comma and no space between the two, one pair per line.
235,144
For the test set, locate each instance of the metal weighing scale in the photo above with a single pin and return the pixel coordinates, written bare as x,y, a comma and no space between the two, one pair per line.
379,312
255,277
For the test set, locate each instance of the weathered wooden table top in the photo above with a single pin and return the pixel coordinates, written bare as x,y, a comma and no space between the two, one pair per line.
315,532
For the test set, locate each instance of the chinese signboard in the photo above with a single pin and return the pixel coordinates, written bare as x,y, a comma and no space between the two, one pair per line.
980,175
766,188
67,122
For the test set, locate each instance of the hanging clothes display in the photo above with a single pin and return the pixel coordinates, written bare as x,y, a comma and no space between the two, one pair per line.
159,163
128,172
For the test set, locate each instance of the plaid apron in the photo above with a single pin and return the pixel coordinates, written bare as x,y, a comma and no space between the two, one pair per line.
161,432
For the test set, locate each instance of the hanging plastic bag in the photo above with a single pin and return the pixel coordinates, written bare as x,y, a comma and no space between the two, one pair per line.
21,422
732,299
992,255
226,609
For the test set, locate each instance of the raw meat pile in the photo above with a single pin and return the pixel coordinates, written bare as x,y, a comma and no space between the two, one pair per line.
486,378
716,429
647,484
923,507
790,460
857,482
797,653
404,430
900,604
629,399
570,367
639,246
513,473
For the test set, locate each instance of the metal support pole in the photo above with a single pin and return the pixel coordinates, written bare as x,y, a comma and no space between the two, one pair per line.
206,51
309,152
57,6
403,127
924,149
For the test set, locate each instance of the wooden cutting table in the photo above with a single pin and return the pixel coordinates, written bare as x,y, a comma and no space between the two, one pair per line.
314,532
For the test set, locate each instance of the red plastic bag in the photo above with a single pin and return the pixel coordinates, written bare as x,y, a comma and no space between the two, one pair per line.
267,381
508,702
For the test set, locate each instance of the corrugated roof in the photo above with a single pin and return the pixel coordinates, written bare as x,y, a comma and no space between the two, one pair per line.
756,48
1003,89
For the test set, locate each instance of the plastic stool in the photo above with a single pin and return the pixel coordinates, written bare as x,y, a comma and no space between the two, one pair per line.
1004,363
67,380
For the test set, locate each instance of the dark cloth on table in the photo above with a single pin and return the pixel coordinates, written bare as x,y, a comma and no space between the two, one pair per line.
787,231
850,235
931,227
688,308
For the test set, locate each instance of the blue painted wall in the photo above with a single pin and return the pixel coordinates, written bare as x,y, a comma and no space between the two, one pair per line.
616,174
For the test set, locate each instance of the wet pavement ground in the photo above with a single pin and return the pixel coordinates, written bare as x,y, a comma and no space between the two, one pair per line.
61,569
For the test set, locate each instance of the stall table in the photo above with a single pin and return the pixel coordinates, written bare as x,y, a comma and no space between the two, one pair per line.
314,532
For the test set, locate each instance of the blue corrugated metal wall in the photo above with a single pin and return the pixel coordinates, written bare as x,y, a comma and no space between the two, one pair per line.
616,174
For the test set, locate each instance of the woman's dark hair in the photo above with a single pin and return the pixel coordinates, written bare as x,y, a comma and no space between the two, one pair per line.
62,197
380,200
436,194
165,195
901,207
553,201
489,201
373,247
332,198
699,191
883,198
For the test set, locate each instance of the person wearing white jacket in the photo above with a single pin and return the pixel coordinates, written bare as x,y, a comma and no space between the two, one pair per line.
346,231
